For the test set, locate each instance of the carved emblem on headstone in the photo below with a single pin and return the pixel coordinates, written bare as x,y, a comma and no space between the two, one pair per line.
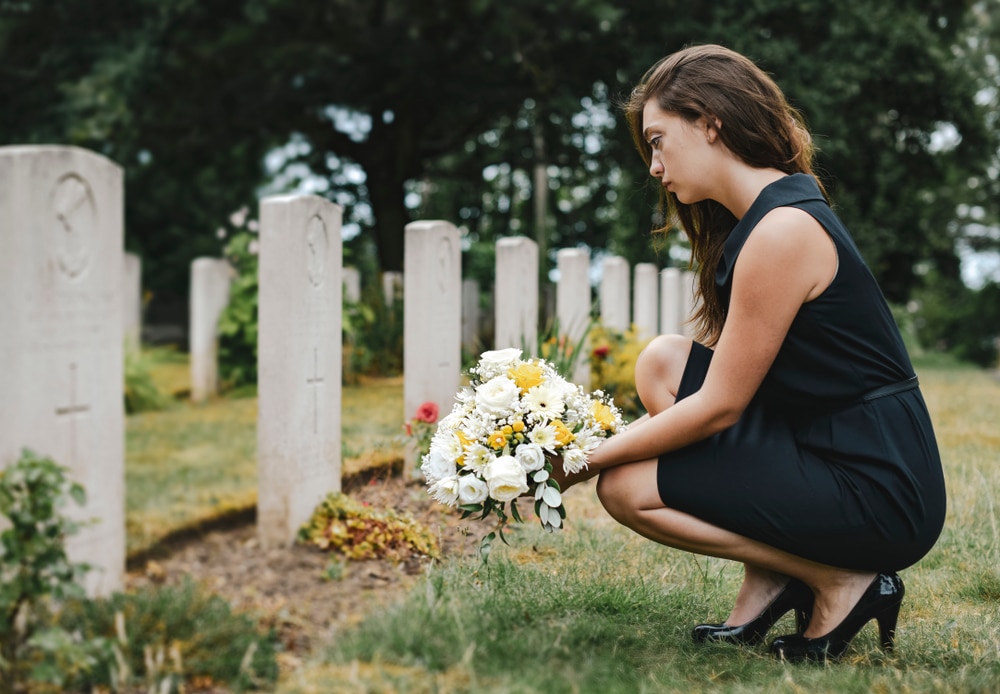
316,247
75,221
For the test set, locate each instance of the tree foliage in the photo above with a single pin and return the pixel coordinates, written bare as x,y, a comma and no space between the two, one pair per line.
498,115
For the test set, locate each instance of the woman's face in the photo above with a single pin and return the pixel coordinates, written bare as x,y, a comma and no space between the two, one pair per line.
679,152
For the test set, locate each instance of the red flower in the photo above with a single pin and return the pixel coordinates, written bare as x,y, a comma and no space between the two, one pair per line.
602,351
428,412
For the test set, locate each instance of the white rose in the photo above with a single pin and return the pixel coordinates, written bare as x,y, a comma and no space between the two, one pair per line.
445,490
499,360
436,467
506,478
531,456
472,490
497,396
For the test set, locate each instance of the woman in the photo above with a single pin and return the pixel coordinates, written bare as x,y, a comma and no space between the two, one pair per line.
792,436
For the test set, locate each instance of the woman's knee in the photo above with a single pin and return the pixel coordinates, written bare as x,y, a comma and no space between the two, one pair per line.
659,369
614,489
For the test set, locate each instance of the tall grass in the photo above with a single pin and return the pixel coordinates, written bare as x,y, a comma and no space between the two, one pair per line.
598,609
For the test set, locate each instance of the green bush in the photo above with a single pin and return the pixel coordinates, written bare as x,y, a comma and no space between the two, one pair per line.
238,322
35,573
373,336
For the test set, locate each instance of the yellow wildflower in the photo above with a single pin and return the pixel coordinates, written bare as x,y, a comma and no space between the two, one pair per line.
518,426
603,415
526,375
497,440
563,435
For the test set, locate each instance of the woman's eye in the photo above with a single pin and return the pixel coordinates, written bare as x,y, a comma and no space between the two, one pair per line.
654,143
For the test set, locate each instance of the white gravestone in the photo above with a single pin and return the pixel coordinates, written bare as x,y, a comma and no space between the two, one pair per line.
470,315
615,293
392,287
516,294
210,281
573,306
132,293
645,301
432,318
352,285
298,362
61,344
671,316
689,302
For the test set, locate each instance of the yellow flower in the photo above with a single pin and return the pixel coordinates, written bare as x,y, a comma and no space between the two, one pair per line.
603,415
497,440
507,429
526,375
563,435
464,439
518,426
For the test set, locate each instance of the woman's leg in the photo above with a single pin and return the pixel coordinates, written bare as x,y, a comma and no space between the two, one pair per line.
630,494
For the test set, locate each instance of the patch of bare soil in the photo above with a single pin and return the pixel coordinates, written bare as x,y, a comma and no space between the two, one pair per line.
294,589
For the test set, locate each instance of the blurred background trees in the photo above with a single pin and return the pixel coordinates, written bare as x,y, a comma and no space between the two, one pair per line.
501,116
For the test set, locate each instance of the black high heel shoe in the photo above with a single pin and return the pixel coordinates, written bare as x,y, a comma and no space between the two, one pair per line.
796,595
880,602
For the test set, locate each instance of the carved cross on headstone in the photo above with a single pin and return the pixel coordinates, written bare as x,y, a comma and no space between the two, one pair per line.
315,382
73,411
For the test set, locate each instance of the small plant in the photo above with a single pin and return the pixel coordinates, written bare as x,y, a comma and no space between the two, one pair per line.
342,525
558,349
373,336
420,429
168,638
612,366
141,393
34,572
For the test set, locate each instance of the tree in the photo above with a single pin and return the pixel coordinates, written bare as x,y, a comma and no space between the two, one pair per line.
450,108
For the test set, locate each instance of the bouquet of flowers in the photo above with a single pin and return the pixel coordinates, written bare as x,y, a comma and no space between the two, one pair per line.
495,445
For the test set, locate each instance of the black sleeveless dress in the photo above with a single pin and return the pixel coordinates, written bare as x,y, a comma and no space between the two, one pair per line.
835,458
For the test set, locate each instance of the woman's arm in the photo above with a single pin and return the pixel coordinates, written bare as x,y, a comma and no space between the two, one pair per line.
787,260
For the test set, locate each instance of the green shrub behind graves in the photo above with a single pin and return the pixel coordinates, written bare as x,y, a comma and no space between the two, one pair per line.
238,322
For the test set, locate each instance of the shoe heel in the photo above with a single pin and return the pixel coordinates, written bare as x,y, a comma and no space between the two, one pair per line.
801,620
887,626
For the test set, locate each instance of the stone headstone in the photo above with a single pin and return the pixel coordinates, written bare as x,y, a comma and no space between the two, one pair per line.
573,305
352,285
615,293
298,362
470,315
645,301
689,304
210,281
62,337
392,287
432,318
515,296
132,293
671,316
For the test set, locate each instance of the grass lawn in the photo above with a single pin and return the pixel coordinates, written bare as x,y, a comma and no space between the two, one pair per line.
596,608
193,463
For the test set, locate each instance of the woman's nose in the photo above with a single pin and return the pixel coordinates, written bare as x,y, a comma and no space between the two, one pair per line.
655,167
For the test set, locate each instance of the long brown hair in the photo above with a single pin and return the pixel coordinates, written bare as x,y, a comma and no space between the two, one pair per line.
758,125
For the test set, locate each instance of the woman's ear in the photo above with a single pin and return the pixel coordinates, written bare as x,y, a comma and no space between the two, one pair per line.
712,127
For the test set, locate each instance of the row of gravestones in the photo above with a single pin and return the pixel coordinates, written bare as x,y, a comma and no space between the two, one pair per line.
62,305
